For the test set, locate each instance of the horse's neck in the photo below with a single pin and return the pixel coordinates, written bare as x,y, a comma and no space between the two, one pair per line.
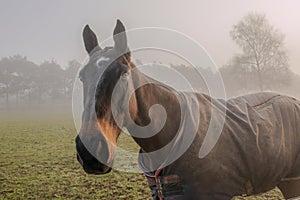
147,96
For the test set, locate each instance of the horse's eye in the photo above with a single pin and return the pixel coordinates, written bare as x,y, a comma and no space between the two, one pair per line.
125,74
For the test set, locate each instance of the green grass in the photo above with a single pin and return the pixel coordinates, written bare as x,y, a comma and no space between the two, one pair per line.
37,161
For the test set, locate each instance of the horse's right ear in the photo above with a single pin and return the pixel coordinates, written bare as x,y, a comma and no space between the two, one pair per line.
120,38
90,39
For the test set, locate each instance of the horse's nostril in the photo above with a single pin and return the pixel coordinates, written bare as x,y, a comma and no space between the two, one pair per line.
79,159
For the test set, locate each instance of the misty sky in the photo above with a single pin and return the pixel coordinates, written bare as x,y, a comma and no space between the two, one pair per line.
43,30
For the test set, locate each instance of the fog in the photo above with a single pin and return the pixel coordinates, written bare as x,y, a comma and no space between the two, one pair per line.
52,31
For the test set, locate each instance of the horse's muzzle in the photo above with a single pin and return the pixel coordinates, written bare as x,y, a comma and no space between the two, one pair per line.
89,163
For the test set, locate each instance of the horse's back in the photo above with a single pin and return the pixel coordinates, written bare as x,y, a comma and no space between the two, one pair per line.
257,148
254,99
271,123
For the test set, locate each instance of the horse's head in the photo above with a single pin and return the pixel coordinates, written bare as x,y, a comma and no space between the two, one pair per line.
97,138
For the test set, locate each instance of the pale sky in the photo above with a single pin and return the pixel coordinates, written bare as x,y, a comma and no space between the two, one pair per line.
43,30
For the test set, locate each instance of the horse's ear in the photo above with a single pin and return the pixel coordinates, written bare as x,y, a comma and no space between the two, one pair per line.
90,39
120,38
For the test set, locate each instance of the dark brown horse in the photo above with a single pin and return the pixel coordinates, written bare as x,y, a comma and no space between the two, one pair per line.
259,146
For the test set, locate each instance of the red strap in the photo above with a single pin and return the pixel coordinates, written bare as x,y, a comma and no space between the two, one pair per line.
164,180
171,179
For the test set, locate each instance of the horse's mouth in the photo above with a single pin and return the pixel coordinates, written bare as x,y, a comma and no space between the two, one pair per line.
96,168
96,172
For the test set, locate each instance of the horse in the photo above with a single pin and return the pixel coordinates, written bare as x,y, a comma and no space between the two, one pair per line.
258,149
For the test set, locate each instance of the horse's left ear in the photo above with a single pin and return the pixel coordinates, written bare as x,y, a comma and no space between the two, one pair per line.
90,39
120,38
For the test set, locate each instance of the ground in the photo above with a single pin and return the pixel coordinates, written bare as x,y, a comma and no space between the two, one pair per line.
38,161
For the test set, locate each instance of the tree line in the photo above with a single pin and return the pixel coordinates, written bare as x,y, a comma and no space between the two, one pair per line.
262,64
23,82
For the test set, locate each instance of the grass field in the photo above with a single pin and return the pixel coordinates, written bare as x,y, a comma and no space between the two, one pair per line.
37,161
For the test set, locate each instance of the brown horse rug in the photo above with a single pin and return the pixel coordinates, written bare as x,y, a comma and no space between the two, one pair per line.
258,148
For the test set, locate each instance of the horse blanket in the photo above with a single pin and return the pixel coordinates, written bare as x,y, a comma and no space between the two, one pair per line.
259,146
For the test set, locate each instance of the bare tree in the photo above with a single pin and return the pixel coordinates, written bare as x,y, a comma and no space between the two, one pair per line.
262,50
